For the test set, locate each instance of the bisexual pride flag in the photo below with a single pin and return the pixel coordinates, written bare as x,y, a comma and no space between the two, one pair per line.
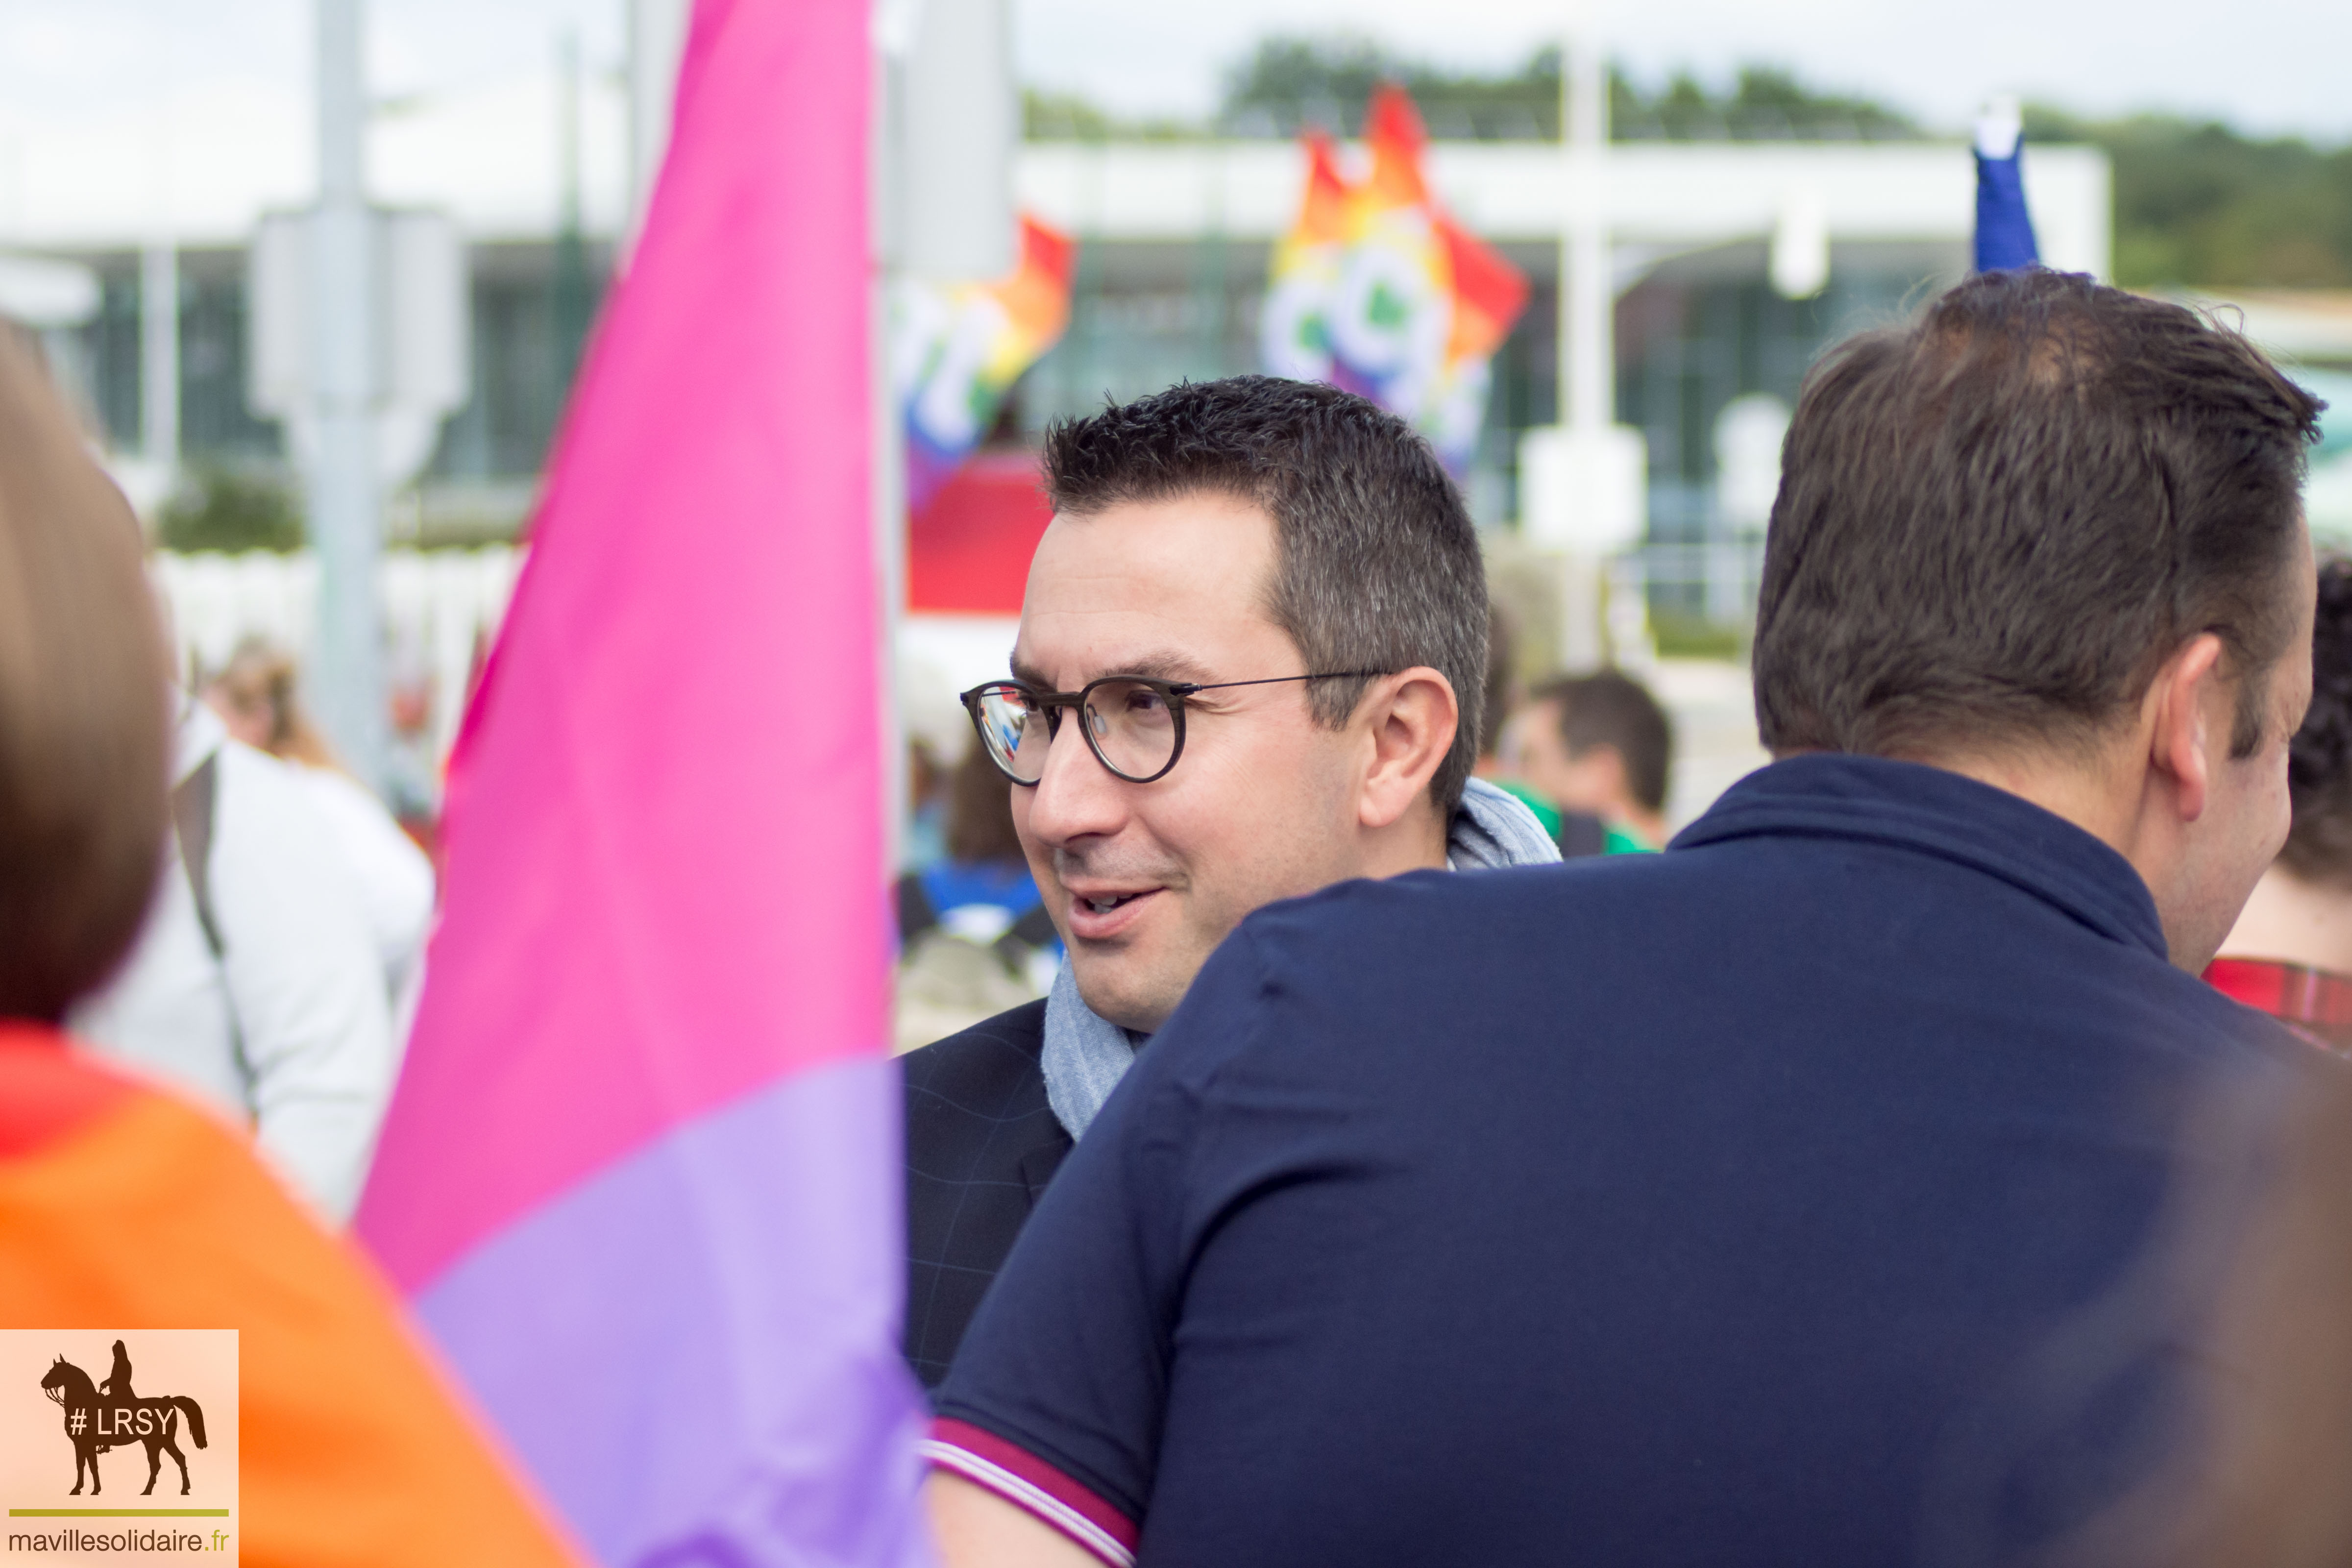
1378,289
956,351
641,1177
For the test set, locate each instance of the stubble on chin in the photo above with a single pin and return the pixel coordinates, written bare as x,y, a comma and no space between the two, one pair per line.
1137,980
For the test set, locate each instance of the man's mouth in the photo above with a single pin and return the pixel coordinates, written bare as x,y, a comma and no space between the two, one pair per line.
1099,915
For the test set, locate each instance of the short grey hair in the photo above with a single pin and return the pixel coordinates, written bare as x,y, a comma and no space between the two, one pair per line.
1377,564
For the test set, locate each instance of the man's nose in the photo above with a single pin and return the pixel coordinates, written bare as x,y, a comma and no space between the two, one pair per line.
1076,796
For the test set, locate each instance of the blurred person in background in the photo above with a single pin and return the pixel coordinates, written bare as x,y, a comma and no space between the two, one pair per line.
256,696
1742,1204
1251,659
122,1205
258,981
926,807
1600,745
1577,833
974,935
2290,954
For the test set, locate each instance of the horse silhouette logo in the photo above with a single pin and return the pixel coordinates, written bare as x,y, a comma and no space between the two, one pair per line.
112,1416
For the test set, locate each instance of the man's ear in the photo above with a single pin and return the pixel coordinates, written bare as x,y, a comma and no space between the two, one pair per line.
1411,718
2188,706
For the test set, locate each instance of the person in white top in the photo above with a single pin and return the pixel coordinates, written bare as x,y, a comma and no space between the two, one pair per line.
254,696
257,981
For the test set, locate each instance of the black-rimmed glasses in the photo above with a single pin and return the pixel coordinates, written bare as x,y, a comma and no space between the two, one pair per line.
1134,725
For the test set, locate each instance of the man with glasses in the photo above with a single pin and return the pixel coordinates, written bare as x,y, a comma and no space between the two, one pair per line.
1250,662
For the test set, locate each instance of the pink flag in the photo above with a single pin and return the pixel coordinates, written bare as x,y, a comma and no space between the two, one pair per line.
643,1177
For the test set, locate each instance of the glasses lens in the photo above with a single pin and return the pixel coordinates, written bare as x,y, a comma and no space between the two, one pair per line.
1133,727
1015,732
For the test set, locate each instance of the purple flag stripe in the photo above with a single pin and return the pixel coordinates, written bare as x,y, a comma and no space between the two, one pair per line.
729,1390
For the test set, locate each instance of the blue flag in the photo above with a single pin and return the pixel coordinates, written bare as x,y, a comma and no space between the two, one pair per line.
2004,228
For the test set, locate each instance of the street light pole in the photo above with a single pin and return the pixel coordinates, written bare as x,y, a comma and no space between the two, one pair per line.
657,38
159,315
1587,408
1586,350
342,484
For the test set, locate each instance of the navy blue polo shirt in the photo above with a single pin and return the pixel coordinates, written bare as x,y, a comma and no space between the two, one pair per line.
1753,1202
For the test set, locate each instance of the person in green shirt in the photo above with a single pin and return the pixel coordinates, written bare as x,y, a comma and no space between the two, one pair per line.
1501,700
1600,744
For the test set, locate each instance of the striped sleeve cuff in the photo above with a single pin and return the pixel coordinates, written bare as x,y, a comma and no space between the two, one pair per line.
1022,1478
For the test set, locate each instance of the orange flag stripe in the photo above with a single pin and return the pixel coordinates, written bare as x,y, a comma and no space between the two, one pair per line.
140,1212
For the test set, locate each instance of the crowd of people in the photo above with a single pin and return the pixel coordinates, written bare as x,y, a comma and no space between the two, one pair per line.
286,941
276,973
183,1168
1874,1176
1351,1128
278,967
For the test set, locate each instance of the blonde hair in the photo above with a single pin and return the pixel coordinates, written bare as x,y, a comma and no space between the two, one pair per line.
260,677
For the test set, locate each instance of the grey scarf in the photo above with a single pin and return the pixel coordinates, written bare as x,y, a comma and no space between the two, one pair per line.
1085,1055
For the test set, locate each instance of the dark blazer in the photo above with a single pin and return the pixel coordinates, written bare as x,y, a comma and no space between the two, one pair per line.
981,1144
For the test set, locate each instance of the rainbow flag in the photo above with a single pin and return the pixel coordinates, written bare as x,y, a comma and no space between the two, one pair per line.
1295,336
122,1208
956,350
641,1177
1378,289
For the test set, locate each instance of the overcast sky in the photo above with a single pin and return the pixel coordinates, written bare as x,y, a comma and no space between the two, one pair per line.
105,102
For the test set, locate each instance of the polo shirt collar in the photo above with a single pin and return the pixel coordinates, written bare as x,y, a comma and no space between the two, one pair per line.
1874,799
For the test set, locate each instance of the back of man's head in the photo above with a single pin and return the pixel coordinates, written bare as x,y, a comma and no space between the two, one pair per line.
1996,523
1377,564
1610,709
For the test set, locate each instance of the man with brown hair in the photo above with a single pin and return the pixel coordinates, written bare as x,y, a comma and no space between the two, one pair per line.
1600,744
1775,1199
1263,603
